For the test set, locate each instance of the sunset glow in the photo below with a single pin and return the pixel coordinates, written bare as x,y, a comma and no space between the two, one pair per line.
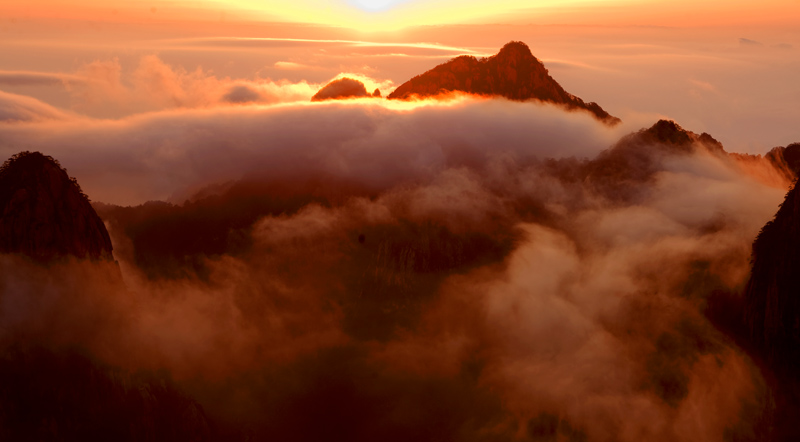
376,5
381,15
400,220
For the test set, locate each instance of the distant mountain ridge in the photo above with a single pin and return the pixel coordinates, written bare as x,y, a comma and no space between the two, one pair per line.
620,171
513,73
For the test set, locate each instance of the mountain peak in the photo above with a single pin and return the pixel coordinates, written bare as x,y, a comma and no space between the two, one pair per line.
44,214
670,134
513,73
515,48
343,88
668,131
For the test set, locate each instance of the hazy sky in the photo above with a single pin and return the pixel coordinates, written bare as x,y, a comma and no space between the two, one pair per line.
728,68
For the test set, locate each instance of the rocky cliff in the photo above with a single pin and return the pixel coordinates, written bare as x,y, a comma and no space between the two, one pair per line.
45,215
773,291
772,310
786,159
50,386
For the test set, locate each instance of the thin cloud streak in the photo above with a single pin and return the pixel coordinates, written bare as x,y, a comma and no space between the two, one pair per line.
268,42
33,78
20,108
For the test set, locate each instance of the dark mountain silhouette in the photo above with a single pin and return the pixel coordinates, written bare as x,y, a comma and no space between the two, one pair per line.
45,215
62,395
669,134
47,391
620,171
343,88
791,155
400,263
773,291
772,303
173,241
786,159
513,73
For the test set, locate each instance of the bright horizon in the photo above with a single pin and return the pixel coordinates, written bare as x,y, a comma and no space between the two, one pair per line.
393,15
726,68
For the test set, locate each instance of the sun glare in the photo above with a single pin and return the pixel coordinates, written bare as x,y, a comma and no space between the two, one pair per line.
374,5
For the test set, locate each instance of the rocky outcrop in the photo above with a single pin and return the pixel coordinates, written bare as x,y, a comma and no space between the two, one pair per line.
45,215
343,88
620,171
669,134
786,159
513,73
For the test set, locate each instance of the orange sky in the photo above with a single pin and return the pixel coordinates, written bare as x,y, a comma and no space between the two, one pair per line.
725,67
381,15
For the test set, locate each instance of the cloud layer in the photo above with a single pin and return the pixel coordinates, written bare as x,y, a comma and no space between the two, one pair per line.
160,155
408,271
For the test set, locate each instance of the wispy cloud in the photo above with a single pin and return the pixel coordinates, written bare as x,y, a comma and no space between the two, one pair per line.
19,108
33,78
749,42
292,66
566,64
267,42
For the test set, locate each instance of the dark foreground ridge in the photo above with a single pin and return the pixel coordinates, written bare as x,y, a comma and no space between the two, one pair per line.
786,158
513,73
50,388
772,301
44,213
63,395
773,305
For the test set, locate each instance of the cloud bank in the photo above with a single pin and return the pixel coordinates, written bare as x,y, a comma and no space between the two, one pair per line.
157,156
463,270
